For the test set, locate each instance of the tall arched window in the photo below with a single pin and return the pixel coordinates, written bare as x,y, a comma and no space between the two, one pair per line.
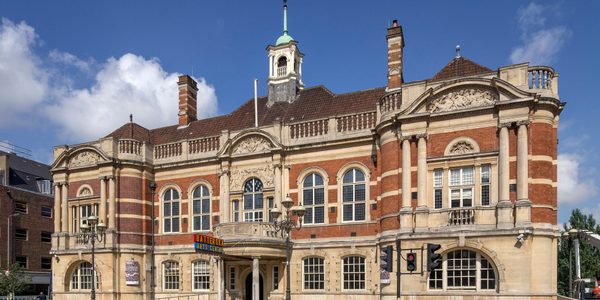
281,66
170,275
81,278
201,209
313,196
354,273
200,275
463,270
354,196
253,200
171,211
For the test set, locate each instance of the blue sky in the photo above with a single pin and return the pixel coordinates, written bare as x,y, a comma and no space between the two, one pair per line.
71,71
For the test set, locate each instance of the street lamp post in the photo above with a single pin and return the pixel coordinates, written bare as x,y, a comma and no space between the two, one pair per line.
90,233
285,225
152,262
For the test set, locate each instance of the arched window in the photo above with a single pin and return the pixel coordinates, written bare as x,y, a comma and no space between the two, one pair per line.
201,209
253,200
463,270
313,270
81,278
282,66
170,275
354,196
354,273
200,275
313,196
171,211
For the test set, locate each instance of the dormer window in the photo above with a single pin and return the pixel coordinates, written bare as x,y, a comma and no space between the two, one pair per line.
282,66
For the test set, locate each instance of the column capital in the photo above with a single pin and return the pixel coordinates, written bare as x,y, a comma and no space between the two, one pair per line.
522,122
57,184
110,177
421,136
277,165
505,124
102,178
403,138
224,172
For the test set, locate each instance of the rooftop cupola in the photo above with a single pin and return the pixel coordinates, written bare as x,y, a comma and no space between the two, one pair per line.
285,67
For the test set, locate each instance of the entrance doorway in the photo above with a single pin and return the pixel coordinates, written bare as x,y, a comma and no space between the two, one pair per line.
249,287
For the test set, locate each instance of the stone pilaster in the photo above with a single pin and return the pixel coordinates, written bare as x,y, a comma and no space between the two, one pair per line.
406,219
504,206
523,205
422,212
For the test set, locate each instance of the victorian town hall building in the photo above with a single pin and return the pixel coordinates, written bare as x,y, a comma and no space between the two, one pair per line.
466,159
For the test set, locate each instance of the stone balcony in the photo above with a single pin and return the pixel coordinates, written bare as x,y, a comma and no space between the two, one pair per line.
251,238
479,217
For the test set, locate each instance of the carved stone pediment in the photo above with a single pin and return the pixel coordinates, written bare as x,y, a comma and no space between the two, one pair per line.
462,147
252,144
461,98
85,158
265,173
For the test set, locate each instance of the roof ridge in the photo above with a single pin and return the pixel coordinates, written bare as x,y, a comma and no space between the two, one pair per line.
360,91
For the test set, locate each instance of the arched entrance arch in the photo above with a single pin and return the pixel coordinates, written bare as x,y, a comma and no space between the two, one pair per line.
248,287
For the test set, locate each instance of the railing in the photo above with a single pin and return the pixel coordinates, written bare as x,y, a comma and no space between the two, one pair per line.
207,144
247,231
281,71
167,150
130,147
182,297
390,102
356,122
540,77
309,129
461,216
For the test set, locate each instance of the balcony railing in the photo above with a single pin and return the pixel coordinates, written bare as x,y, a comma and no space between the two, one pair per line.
461,216
309,129
540,77
127,146
390,102
356,122
248,232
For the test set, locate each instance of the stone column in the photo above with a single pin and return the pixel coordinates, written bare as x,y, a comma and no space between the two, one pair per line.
112,215
278,188
102,208
220,279
523,205
505,216
406,210
422,211
224,196
57,212
255,279
64,208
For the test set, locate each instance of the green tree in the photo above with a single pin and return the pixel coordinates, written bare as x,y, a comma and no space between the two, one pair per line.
13,281
589,256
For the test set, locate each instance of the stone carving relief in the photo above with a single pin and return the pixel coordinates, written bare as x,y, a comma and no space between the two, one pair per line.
84,158
463,98
252,144
462,147
265,173
85,192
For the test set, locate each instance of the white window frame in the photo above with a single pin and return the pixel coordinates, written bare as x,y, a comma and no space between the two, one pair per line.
276,276
313,190
172,218
462,186
487,184
321,280
82,271
48,208
478,274
171,285
362,260
254,214
354,203
201,275
438,186
203,197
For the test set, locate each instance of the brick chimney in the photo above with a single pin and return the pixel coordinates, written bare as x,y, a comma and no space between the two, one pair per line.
188,90
395,42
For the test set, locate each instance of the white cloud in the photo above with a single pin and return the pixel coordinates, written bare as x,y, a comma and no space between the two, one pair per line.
130,84
574,184
23,83
540,44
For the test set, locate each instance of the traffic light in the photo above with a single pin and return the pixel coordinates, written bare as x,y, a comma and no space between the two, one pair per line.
411,261
434,260
388,255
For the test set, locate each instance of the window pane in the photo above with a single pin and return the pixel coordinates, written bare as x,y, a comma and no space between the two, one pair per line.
318,180
485,195
438,198
319,214
196,207
467,175
348,177
437,178
347,212
485,173
308,180
347,193
454,176
360,212
308,197
360,192
205,206
319,196
308,215
358,176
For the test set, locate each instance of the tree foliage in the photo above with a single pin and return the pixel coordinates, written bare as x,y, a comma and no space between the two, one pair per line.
589,256
13,280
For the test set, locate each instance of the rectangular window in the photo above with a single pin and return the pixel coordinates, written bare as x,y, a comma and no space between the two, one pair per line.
354,273
21,234
438,179
22,261
314,273
232,278
74,219
44,186
46,237
20,207
47,211
271,203
461,187
201,275
46,263
236,210
201,214
485,184
275,277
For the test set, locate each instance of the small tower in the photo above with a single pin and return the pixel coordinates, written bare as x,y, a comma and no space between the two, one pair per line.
285,67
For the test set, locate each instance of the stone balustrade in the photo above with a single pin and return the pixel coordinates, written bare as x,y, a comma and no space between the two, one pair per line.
461,216
167,150
309,129
248,232
202,145
540,77
128,146
356,122
390,102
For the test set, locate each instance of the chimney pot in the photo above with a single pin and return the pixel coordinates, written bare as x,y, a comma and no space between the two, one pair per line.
395,23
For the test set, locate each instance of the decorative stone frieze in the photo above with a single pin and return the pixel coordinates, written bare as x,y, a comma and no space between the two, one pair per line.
252,144
85,158
456,99
265,173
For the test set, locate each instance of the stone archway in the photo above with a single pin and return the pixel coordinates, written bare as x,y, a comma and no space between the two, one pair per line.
248,287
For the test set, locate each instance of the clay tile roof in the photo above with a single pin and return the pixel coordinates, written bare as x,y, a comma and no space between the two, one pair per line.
312,103
460,67
131,131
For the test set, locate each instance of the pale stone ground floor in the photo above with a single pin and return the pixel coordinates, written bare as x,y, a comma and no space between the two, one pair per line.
475,266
